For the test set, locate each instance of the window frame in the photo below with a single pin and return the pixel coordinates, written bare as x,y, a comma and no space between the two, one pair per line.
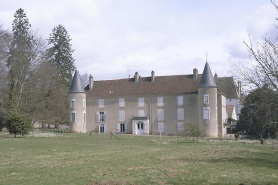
73,119
72,103
206,109
206,98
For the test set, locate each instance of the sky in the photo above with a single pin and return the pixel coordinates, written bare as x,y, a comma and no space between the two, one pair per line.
113,39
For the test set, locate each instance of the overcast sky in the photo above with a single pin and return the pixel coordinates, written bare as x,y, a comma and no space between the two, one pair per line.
113,39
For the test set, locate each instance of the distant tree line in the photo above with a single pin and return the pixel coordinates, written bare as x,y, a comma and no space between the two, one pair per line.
35,75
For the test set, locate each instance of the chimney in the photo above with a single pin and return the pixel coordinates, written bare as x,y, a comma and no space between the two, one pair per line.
153,76
215,75
136,77
195,73
91,82
239,88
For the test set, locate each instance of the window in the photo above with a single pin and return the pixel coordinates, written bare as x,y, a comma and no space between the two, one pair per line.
206,99
101,128
180,114
72,105
180,100
121,115
84,104
159,101
141,102
206,113
73,116
121,102
180,126
141,113
140,125
101,116
101,103
160,127
160,114
84,117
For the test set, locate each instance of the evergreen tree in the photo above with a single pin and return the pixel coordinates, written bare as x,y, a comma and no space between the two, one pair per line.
60,53
21,54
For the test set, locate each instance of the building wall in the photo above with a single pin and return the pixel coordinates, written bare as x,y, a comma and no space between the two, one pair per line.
221,114
150,109
79,125
235,102
211,124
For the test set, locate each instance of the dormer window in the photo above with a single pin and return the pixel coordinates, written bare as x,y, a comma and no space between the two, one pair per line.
206,99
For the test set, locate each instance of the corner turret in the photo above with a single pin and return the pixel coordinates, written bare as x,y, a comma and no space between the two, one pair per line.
77,105
207,101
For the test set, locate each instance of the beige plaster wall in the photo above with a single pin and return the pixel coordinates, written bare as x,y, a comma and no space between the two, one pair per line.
111,107
78,125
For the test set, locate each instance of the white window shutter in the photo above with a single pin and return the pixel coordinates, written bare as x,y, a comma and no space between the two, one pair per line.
104,116
141,102
180,100
101,103
160,114
180,114
121,115
206,113
125,127
160,127
97,117
121,102
105,128
118,127
159,101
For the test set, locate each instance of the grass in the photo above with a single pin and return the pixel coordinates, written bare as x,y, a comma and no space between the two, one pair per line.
63,158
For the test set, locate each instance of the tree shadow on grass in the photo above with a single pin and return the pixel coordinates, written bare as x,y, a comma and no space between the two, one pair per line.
259,160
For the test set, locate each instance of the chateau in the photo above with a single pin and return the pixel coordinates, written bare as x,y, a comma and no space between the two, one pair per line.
153,105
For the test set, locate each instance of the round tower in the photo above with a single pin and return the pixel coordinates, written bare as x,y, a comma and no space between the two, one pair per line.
207,103
77,105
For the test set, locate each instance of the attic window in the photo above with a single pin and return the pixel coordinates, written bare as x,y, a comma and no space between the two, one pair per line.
111,91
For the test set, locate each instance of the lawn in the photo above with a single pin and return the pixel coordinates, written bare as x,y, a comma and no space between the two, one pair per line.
63,158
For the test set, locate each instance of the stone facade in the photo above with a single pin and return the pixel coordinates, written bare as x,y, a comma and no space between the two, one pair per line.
149,105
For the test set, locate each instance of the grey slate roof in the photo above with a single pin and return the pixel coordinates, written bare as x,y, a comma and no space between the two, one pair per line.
207,78
227,86
76,84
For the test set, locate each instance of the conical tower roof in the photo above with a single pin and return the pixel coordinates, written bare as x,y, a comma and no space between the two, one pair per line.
207,78
76,84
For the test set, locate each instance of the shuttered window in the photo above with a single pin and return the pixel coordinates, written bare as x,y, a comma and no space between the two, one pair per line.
121,115
121,102
206,113
160,114
159,101
160,127
101,103
73,116
180,100
101,117
180,114
141,102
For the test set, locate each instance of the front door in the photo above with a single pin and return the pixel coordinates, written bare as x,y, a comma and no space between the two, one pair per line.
140,128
